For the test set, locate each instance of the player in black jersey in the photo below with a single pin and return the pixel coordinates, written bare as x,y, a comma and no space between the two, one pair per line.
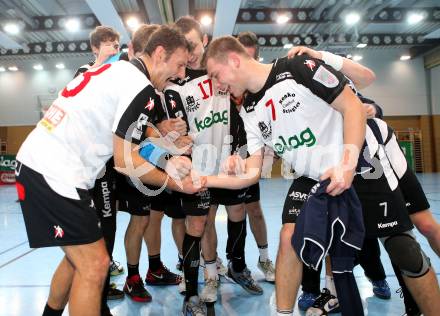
287,91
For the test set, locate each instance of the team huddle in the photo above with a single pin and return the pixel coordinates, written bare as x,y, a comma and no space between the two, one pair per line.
178,127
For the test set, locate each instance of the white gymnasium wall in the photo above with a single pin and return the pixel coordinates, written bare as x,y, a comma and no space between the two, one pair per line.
19,90
435,88
400,86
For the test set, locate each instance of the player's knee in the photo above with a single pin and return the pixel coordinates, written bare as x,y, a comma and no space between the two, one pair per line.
406,253
286,237
196,226
94,269
428,228
255,213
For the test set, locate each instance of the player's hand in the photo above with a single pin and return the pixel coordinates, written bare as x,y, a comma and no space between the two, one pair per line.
178,167
190,184
234,165
370,110
184,144
299,50
340,177
172,125
105,52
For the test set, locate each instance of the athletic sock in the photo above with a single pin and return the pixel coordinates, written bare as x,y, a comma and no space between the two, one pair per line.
237,240
132,269
49,311
154,262
284,312
191,259
264,252
211,269
330,285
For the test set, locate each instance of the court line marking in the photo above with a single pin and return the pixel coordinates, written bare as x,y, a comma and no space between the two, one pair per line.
16,258
13,247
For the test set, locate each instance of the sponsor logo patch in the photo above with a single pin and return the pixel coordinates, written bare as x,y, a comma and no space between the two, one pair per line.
325,77
306,138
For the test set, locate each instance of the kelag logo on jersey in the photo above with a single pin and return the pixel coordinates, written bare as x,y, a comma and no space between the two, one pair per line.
208,121
288,103
306,137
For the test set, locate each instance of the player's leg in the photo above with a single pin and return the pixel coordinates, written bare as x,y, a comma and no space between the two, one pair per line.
428,227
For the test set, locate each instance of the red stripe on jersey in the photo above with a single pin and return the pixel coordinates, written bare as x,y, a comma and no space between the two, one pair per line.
20,191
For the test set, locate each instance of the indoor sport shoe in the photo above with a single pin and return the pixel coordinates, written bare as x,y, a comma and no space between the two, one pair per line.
381,289
116,268
324,304
245,279
114,293
194,307
162,276
221,269
306,300
268,270
134,288
210,291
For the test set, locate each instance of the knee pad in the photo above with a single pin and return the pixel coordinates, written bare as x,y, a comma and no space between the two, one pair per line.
405,252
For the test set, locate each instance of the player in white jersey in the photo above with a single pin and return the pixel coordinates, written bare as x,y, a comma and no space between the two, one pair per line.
314,121
98,114
210,119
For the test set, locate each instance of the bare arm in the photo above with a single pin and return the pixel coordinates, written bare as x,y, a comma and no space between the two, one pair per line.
251,175
354,135
129,162
360,75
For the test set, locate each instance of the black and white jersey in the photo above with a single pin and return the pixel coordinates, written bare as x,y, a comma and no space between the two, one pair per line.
73,141
207,113
292,115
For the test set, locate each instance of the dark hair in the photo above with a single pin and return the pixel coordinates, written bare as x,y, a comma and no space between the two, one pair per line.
221,46
249,39
188,23
141,36
170,38
102,34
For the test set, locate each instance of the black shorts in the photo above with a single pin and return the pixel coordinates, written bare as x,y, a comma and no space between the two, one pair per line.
104,192
295,198
253,193
195,204
227,197
413,193
384,209
52,219
132,200
168,202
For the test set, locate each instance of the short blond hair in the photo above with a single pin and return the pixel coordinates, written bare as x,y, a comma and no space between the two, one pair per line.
141,36
219,49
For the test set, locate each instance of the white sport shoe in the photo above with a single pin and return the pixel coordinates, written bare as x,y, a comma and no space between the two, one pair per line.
221,269
268,270
209,292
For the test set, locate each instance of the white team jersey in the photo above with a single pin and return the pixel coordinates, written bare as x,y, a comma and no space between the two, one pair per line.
73,141
207,113
292,115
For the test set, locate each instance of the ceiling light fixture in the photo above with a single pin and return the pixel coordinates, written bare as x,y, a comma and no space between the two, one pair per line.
282,19
38,67
60,66
206,20
414,18
361,45
405,57
132,23
357,57
352,18
13,68
11,28
72,25
2,69
288,46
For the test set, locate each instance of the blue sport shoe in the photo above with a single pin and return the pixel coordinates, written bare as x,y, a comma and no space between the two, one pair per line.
381,289
306,300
